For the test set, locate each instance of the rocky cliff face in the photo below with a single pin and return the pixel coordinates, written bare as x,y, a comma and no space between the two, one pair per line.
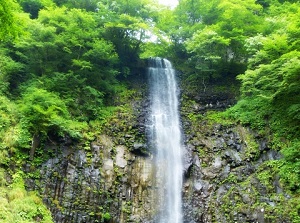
106,183
109,178
229,175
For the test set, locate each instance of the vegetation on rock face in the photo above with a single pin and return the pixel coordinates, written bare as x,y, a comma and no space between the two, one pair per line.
66,66
18,205
270,89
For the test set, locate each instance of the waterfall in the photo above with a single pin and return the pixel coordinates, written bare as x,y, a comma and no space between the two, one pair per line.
164,136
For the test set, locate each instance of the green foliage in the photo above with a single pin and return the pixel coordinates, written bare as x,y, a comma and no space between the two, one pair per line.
10,19
7,114
58,44
12,132
8,70
195,117
269,88
45,113
90,5
239,18
127,26
34,6
214,117
290,169
18,205
106,216
79,66
252,111
267,42
209,49
158,49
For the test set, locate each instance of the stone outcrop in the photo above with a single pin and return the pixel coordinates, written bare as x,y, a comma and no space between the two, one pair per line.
106,183
107,178
228,172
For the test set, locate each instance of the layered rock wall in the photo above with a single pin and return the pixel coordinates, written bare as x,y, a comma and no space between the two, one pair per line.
229,176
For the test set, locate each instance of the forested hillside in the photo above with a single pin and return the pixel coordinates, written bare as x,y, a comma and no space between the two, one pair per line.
66,67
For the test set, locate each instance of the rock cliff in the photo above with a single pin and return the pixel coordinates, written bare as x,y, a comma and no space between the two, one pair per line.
229,173
228,176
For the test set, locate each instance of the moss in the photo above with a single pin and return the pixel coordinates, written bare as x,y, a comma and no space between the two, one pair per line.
232,178
251,150
260,193
106,216
127,207
217,117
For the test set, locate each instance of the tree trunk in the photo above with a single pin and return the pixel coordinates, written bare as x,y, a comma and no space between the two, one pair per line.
35,143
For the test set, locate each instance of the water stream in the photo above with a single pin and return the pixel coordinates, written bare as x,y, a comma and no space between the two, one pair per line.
165,138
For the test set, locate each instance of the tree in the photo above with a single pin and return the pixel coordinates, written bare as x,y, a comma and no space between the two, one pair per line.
57,53
43,114
88,5
8,70
10,20
127,24
209,50
34,6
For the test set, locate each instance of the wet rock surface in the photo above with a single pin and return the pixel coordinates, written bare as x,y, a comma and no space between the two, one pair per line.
227,171
106,179
230,177
81,185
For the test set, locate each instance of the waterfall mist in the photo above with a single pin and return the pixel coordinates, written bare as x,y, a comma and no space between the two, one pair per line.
164,135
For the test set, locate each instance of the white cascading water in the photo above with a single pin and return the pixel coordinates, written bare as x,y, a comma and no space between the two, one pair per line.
164,135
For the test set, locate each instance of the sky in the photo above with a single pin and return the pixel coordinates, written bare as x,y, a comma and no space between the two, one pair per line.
171,3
